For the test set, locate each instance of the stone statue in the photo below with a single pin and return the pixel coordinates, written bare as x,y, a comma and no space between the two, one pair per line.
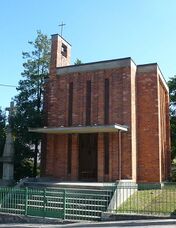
8,153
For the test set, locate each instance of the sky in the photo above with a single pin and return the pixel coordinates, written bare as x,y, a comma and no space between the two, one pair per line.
144,30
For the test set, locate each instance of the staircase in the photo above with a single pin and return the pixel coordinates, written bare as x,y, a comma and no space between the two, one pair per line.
86,204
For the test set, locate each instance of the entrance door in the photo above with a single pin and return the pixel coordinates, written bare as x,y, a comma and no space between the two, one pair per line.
88,157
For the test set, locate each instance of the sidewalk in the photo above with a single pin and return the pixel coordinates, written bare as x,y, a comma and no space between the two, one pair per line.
158,223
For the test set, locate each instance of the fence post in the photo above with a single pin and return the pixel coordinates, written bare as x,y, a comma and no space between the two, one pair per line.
64,203
44,202
26,200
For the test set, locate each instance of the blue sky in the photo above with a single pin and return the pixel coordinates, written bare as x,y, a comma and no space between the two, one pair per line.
97,29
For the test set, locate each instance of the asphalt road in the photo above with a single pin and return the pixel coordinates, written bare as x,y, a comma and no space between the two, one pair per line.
163,223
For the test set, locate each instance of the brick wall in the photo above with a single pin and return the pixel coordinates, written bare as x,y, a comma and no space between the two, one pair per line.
164,138
147,124
120,112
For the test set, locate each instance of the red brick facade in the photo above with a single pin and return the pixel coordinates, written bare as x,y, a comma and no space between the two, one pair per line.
138,98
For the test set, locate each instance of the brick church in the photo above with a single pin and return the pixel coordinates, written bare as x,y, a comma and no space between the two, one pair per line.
105,121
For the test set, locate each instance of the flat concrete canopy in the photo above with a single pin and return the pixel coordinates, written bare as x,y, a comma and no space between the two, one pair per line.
80,129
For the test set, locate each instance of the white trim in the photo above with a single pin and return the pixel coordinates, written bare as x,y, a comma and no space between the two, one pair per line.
80,129
162,79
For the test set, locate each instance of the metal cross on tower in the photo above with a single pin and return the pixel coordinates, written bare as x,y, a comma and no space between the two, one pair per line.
62,25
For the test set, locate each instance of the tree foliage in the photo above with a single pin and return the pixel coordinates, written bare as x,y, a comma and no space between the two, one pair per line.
29,104
78,62
2,131
2,136
172,92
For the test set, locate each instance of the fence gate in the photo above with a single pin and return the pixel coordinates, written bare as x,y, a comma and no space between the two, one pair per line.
45,203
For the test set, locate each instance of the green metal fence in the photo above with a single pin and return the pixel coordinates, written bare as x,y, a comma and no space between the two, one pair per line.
73,204
152,199
88,204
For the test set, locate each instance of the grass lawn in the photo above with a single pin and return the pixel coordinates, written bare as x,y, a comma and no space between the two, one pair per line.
162,201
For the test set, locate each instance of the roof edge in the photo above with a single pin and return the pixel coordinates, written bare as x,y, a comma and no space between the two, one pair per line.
94,66
56,35
102,61
80,129
158,70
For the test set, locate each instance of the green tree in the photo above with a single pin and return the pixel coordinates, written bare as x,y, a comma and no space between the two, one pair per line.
172,92
29,103
2,131
2,136
78,62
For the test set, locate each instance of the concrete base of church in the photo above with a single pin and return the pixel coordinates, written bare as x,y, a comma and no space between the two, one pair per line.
52,182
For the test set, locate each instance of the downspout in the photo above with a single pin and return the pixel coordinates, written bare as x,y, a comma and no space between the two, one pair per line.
120,155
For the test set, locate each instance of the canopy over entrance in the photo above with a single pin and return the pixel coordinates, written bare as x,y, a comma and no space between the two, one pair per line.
80,129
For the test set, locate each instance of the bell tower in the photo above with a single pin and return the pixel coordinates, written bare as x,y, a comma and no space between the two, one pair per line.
60,53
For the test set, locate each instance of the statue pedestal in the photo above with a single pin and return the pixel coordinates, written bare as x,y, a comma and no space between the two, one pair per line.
4,183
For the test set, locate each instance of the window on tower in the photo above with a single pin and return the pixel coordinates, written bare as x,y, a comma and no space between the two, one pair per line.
64,50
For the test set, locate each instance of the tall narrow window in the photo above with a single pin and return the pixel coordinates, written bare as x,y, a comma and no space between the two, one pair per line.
106,153
106,101
70,103
69,154
88,102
